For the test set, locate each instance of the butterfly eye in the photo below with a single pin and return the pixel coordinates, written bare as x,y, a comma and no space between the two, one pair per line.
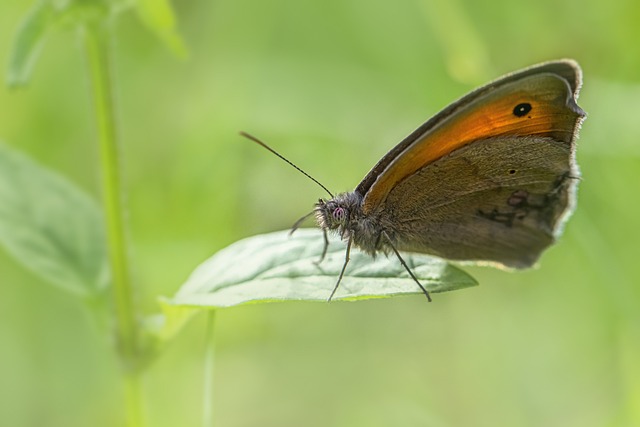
339,214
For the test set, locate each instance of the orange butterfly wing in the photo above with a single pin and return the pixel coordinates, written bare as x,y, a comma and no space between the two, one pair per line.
539,101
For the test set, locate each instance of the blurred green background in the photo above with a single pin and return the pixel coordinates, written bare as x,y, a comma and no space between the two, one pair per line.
333,85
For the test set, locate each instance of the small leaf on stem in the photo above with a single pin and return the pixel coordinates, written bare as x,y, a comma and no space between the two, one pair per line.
159,17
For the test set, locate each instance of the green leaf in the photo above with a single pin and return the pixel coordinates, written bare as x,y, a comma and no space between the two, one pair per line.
278,267
158,16
51,227
28,42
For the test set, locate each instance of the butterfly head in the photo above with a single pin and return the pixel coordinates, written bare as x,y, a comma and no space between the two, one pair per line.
331,215
337,213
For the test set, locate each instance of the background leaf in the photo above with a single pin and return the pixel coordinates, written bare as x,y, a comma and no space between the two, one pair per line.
50,226
280,267
27,43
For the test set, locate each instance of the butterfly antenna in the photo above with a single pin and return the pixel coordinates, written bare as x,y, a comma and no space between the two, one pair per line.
257,141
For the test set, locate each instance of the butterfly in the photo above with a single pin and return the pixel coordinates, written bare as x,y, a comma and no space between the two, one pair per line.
491,178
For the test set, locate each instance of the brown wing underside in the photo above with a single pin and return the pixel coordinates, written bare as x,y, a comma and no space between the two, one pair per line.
501,200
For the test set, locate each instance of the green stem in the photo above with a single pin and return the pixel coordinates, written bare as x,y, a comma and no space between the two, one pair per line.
207,393
97,38
133,400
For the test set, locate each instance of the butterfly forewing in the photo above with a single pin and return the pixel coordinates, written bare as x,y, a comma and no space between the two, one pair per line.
493,179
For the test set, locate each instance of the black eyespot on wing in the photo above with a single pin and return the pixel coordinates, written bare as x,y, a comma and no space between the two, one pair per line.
512,171
522,109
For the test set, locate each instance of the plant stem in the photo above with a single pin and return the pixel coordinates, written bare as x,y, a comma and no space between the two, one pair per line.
207,393
133,400
97,38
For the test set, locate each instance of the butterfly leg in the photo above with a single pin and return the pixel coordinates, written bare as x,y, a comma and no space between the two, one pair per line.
299,222
344,267
404,264
326,246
